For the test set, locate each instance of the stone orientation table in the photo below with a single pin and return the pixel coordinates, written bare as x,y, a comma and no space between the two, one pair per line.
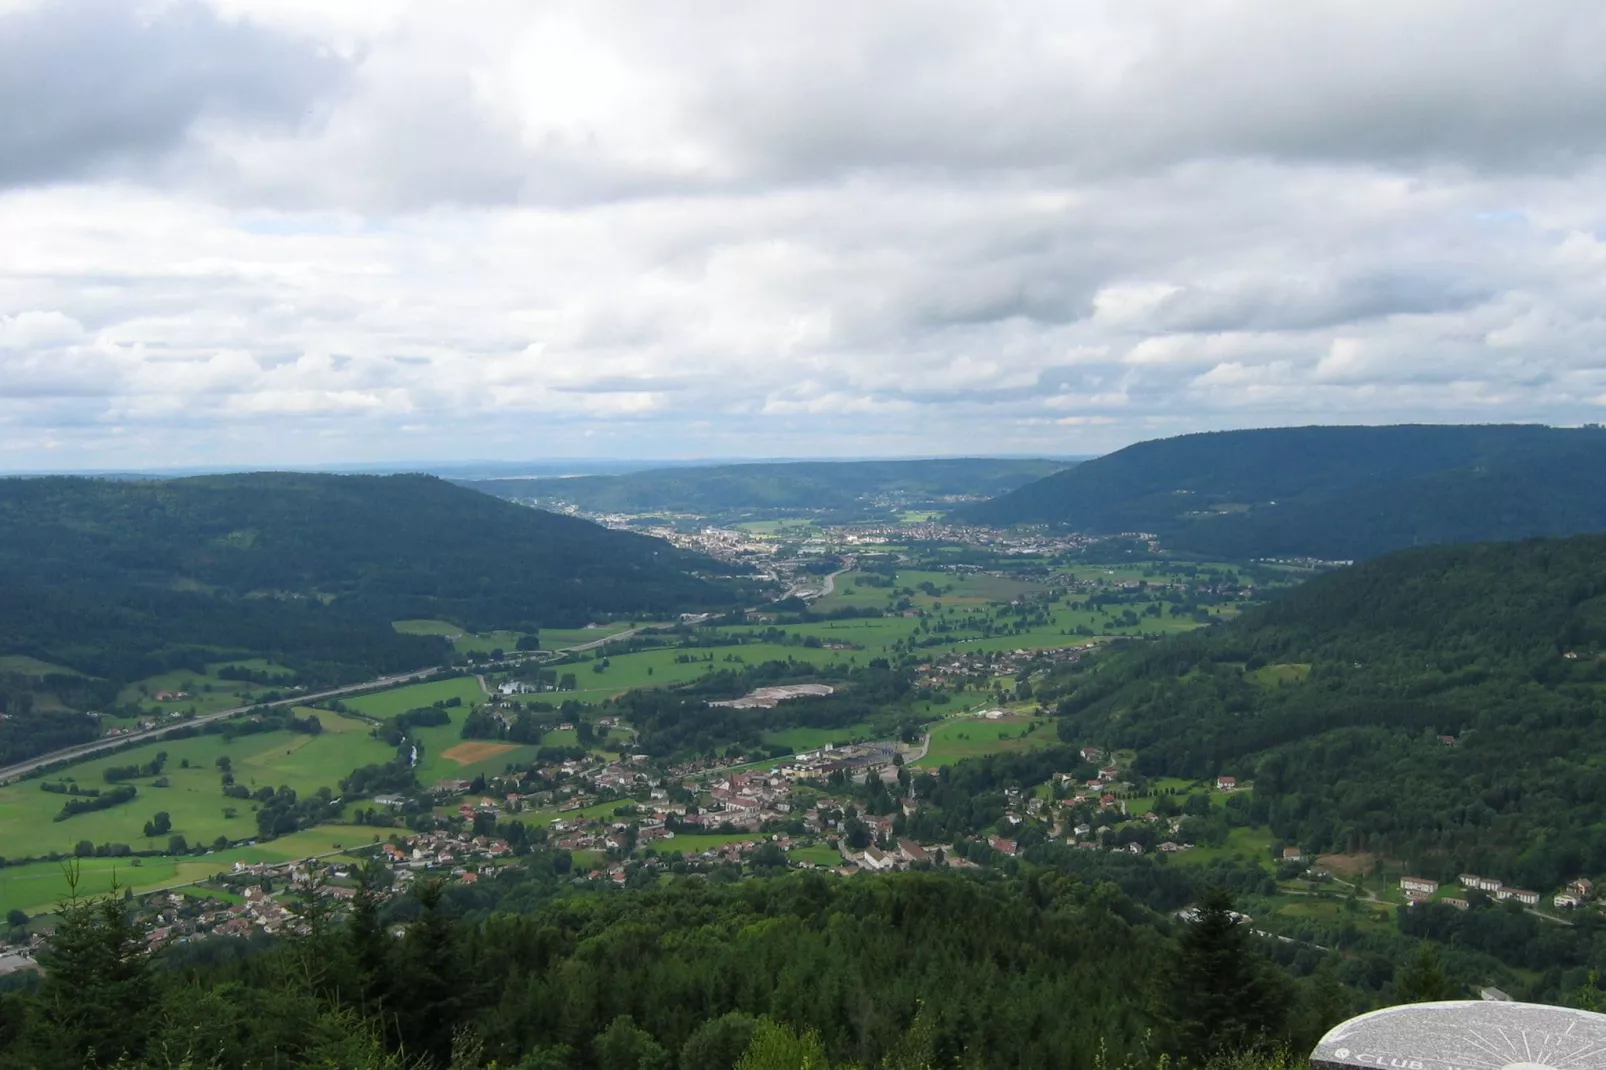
1466,1035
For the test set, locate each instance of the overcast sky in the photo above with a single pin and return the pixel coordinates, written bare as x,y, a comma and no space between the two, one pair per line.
255,232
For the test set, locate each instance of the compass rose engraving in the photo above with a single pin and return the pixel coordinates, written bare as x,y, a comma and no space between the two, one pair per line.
1466,1035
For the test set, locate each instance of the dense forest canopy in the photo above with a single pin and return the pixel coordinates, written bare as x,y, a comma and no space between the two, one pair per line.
1442,706
840,489
917,971
1338,493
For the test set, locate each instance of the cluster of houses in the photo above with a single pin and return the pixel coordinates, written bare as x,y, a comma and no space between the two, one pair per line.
1420,889
970,667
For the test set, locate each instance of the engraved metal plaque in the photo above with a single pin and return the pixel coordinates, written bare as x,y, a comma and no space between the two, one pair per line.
1466,1035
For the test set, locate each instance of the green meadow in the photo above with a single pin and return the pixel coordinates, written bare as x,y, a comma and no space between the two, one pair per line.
23,665
1272,676
383,705
959,738
206,692
819,856
465,642
698,842
659,667
1251,845
193,797
559,638
37,887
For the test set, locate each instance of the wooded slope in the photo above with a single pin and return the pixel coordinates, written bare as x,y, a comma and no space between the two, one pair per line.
1339,493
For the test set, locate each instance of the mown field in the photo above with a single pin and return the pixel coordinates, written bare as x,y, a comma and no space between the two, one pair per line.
959,738
206,692
194,798
698,842
659,667
463,642
38,886
384,705
27,666
820,856
1244,844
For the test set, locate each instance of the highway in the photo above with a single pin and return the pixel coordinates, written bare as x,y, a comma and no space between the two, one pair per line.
12,772
84,750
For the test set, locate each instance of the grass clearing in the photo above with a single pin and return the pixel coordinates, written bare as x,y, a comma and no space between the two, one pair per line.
819,856
193,798
1332,908
1246,844
698,842
471,753
1272,676
383,705
38,886
972,737
204,692
23,665
559,638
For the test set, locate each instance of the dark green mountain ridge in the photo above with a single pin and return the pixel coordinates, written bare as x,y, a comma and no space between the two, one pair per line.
124,580
1338,493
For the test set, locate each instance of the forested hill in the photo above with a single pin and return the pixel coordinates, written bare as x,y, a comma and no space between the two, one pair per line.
835,489
1339,493
1334,699
115,579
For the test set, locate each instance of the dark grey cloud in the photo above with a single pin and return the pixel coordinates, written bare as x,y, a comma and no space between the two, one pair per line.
106,88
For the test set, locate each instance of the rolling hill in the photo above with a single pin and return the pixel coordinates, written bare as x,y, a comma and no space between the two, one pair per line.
836,490
1338,493
1439,705
119,581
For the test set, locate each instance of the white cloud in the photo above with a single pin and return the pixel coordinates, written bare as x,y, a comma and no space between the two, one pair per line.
305,231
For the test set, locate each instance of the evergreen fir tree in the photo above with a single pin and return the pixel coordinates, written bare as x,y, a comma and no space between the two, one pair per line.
1225,995
1423,981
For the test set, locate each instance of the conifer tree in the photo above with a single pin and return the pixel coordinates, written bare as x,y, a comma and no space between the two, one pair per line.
1225,995
1423,981
96,993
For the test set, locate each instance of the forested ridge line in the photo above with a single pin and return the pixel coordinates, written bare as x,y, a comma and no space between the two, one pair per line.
1440,706
111,582
1336,493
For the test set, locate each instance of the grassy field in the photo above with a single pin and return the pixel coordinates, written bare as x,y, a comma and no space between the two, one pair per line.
698,842
1271,676
206,692
23,665
968,737
1333,909
820,856
194,797
387,704
1247,844
559,638
38,886
464,642
657,668
1142,804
